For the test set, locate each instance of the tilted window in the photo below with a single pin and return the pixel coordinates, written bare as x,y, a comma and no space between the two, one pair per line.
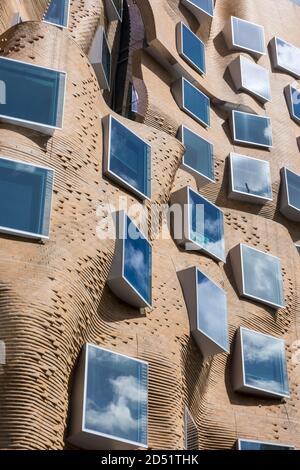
190,48
203,10
244,35
246,444
58,13
192,101
290,195
100,58
292,95
285,56
251,129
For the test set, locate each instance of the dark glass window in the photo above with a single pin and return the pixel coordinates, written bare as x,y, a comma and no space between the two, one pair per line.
58,12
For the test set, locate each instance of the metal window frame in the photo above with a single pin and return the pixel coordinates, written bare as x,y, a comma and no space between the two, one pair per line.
179,42
63,26
229,35
275,57
273,444
179,96
289,99
290,211
96,50
246,142
200,14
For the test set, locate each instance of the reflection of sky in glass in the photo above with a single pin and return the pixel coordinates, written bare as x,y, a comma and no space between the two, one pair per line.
196,102
198,153
32,93
251,176
248,35
255,78
116,396
212,310
106,59
295,95
253,445
250,128
205,5
130,158
262,275
25,197
209,234
264,362
293,186
57,12
288,56
138,261
193,48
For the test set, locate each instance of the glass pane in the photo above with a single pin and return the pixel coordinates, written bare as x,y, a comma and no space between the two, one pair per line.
25,197
196,102
212,310
138,261
32,93
57,12
198,154
129,158
252,129
116,396
193,49
293,187
251,176
255,78
106,59
206,225
253,445
248,35
295,98
205,5
264,362
288,56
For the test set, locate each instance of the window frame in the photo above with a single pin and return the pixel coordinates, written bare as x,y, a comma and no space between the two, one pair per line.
289,211
179,40
99,69
179,96
243,48
246,142
273,444
289,98
277,64
200,13
65,26
112,11
262,98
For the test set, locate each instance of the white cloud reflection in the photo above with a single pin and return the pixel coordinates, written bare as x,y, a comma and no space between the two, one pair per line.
288,56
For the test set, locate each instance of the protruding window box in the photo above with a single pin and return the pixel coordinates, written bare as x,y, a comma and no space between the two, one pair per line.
285,57
247,444
250,77
127,158
26,196
190,48
197,224
58,13
290,195
203,10
259,364
198,158
251,129
100,58
207,309
250,179
292,96
114,10
245,36
190,431
192,101
258,275
31,96
130,276
109,401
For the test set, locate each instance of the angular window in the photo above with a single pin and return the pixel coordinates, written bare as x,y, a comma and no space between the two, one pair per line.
130,277
127,158
58,13
100,58
31,96
198,157
114,10
190,48
192,101
285,57
298,248
109,401
292,95
203,10
190,431
199,224
250,77
251,129
250,179
243,35
258,275
260,364
246,444
290,195
25,199
207,308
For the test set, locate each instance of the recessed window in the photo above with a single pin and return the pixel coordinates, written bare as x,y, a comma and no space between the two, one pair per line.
127,158
203,10
100,58
250,179
109,401
246,444
286,57
25,199
198,157
260,364
258,275
31,96
207,308
251,129
290,195
190,47
292,95
243,35
190,431
114,9
58,13
250,77
192,101
130,277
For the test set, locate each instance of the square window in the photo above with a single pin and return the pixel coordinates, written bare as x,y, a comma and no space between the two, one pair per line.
258,275
250,77
127,158
290,195
260,364
207,309
114,10
100,58
192,101
198,157
246,444
244,35
285,56
31,96
250,179
292,95
109,401
58,13
130,277
190,48
203,10
251,129
26,196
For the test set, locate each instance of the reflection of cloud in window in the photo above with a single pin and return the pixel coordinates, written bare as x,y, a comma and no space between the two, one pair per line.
137,262
288,56
259,348
268,131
